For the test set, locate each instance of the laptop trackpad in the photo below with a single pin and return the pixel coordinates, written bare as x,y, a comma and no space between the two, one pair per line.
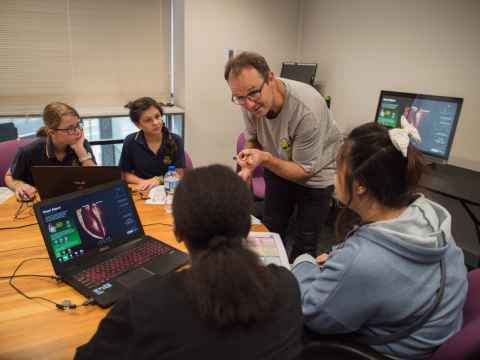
134,277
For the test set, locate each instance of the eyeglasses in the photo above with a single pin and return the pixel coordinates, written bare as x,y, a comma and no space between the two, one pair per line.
72,130
252,96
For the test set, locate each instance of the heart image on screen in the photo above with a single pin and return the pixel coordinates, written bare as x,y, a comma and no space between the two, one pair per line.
91,219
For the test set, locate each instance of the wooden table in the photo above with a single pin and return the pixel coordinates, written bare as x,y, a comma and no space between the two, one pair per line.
35,329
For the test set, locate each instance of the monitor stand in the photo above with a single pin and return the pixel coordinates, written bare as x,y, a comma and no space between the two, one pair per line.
432,162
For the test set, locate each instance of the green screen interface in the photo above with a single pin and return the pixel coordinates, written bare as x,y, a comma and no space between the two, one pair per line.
64,237
389,114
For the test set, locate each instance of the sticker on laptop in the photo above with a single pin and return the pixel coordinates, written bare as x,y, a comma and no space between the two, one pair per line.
100,290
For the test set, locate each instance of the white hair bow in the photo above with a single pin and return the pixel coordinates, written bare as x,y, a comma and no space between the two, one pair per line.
400,137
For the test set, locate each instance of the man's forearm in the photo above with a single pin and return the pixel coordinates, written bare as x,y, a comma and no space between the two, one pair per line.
286,169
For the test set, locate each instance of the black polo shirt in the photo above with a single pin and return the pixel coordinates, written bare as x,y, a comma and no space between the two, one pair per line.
41,152
138,159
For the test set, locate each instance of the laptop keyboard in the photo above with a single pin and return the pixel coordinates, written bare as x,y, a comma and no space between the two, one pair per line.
132,258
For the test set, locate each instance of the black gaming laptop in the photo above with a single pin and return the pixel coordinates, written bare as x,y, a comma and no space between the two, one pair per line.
52,181
97,244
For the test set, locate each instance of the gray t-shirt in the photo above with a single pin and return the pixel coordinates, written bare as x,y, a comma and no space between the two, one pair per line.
303,132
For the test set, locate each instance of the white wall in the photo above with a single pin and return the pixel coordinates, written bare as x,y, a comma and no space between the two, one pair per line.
210,27
427,46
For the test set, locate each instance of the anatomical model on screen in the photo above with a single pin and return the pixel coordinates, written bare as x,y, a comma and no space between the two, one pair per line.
415,115
90,218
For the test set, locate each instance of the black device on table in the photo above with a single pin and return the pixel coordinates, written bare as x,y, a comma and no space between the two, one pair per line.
52,181
97,244
304,72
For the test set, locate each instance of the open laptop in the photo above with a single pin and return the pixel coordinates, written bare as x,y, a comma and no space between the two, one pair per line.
52,181
97,244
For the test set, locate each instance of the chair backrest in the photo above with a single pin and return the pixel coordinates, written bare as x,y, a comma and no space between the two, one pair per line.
466,343
188,162
8,131
240,146
338,350
8,149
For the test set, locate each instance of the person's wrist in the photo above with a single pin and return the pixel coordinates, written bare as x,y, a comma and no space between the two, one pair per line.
85,157
80,151
266,158
16,184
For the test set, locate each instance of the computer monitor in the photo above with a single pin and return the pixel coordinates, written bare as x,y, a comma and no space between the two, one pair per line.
299,71
435,117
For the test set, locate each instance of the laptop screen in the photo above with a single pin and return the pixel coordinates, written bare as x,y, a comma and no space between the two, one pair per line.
88,222
52,181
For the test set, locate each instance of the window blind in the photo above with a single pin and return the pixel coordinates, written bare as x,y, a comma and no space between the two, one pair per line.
88,53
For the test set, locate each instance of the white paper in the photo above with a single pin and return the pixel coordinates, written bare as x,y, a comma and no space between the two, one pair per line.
156,196
5,194
269,247
254,220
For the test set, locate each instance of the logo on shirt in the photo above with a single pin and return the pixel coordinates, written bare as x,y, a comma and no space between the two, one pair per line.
167,160
284,144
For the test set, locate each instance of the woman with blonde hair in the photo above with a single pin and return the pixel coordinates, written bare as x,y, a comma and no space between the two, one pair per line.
60,142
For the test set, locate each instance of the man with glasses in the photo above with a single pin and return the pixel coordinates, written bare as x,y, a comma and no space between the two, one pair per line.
291,133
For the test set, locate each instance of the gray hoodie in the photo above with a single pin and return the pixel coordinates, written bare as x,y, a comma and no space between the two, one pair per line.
385,272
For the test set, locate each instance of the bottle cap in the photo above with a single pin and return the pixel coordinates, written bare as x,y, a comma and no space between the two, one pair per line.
171,168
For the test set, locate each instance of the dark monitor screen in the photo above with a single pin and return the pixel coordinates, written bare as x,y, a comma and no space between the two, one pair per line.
435,118
299,71
52,181
86,222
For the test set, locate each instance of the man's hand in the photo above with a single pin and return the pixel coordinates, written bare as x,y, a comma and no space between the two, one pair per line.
246,175
251,158
25,192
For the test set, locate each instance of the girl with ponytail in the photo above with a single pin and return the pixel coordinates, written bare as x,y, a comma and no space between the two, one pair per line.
397,280
227,305
60,142
146,154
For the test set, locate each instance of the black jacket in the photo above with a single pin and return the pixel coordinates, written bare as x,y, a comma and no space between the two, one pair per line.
157,321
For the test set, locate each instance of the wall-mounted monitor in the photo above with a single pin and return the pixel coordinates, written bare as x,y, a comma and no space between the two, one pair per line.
435,117
299,71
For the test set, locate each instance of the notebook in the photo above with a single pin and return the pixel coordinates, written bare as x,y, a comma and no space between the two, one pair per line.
52,181
97,244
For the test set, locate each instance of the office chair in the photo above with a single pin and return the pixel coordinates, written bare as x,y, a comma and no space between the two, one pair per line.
8,131
258,182
338,350
8,149
188,162
466,343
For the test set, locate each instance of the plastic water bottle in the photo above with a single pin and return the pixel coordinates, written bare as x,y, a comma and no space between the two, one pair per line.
170,180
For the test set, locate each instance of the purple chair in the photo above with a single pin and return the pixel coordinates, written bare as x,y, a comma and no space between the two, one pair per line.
8,149
466,343
188,162
258,182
